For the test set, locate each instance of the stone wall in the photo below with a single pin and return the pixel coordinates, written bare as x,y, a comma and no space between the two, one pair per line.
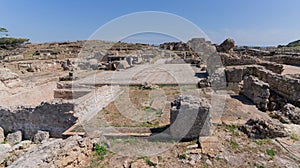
276,68
283,59
229,60
283,85
177,46
54,117
258,91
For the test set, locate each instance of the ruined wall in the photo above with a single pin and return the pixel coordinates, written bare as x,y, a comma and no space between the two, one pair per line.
276,68
72,152
283,59
177,46
258,91
229,60
54,117
283,85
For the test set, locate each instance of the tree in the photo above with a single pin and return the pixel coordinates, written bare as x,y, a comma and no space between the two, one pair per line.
3,29
10,42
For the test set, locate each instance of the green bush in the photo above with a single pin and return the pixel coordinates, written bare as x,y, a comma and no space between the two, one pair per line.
270,152
100,151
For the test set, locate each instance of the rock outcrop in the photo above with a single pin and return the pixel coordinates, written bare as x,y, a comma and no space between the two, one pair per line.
226,46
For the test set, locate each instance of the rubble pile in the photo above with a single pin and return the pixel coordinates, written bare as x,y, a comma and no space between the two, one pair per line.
263,128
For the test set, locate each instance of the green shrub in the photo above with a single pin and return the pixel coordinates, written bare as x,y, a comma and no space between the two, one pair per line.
100,151
270,152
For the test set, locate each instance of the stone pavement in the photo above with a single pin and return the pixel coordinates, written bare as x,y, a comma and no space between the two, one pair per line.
157,73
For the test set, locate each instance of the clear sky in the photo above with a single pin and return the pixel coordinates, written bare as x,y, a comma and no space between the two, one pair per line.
256,22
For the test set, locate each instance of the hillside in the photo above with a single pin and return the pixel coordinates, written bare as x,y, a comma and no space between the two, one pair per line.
294,44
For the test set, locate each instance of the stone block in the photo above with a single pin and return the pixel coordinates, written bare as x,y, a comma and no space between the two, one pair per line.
14,138
258,91
190,118
210,145
41,136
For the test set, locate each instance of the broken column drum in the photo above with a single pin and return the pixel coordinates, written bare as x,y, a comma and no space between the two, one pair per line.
190,118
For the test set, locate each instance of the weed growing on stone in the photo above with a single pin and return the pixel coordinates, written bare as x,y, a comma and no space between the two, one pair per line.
159,158
258,142
232,129
234,144
149,162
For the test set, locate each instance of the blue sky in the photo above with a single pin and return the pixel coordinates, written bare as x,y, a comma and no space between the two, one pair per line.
256,22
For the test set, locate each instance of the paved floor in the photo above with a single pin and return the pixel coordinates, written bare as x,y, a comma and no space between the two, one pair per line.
158,73
289,69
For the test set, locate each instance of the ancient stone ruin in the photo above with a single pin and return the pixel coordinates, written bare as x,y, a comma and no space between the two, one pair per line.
65,104
190,118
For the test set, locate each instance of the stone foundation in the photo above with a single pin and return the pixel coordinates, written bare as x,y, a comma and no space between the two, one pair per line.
283,85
